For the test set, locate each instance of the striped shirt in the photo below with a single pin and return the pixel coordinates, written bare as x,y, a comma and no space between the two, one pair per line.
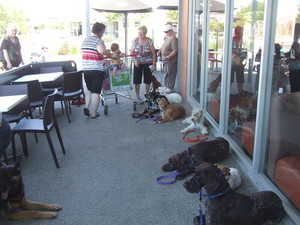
91,58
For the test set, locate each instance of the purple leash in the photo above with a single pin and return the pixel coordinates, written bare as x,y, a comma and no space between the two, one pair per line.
175,174
153,119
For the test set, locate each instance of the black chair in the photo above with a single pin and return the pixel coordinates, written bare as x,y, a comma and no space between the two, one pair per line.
39,126
21,110
48,87
35,93
71,90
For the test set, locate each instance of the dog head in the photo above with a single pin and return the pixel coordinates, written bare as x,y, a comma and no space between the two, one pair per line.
239,114
162,103
155,83
197,115
179,162
207,175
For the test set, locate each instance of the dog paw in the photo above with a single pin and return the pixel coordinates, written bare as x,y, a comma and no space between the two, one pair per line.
48,215
54,207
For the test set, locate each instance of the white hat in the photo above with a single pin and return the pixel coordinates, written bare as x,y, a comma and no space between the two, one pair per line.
168,27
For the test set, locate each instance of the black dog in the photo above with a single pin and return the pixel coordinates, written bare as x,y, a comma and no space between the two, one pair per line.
186,162
13,204
226,207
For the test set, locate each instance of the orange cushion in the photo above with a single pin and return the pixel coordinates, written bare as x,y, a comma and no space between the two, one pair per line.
248,132
287,177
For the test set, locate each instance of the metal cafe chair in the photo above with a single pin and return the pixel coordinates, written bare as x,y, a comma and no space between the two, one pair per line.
71,90
39,126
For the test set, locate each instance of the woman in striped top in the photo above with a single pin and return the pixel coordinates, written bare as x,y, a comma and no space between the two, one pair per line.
94,66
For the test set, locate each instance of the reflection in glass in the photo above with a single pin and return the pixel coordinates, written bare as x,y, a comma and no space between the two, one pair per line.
283,150
215,57
247,41
198,50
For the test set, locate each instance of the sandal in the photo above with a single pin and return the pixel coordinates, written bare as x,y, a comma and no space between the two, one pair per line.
86,112
97,115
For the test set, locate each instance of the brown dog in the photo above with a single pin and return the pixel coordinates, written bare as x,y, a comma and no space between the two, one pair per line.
225,205
13,204
155,83
169,112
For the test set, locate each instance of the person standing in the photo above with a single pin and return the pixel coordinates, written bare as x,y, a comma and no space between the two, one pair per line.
94,68
237,67
143,47
294,61
11,48
168,52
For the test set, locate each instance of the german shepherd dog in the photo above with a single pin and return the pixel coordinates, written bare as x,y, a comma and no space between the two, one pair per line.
13,204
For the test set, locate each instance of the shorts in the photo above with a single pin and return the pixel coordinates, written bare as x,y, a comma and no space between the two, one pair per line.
138,73
94,80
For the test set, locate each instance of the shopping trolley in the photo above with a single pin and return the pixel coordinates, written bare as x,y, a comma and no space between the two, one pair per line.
118,85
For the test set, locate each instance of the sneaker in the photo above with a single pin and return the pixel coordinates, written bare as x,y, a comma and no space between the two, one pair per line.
139,101
168,91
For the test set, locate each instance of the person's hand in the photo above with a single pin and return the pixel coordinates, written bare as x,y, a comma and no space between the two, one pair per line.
136,63
153,68
9,65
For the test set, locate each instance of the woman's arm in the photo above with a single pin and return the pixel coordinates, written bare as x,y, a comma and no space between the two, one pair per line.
153,57
7,59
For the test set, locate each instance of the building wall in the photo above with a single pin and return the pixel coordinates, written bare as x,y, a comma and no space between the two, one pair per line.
184,47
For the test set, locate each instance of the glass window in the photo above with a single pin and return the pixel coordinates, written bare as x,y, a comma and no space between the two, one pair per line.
215,57
283,151
198,50
247,41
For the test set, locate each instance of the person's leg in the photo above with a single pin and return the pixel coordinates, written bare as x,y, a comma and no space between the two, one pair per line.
137,79
95,102
5,136
166,65
96,87
115,71
240,78
87,96
147,78
172,72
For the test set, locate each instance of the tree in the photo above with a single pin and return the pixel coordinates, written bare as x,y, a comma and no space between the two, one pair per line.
245,15
172,16
9,15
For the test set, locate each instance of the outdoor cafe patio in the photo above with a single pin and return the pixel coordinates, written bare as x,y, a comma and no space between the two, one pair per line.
108,174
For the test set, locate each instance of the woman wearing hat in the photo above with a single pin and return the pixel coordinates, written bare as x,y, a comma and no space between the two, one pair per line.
168,53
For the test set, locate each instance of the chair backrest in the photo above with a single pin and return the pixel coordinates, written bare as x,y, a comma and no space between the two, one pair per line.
51,69
18,89
35,92
72,82
49,116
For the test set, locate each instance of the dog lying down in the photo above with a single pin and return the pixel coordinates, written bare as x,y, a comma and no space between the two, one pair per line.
212,151
172,97
227,207
169,112
13,204
195,121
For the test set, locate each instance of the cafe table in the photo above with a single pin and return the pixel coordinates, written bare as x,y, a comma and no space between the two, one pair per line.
41,77
10,101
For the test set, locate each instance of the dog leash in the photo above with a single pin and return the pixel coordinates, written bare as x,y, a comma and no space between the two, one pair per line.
175,174
198,138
